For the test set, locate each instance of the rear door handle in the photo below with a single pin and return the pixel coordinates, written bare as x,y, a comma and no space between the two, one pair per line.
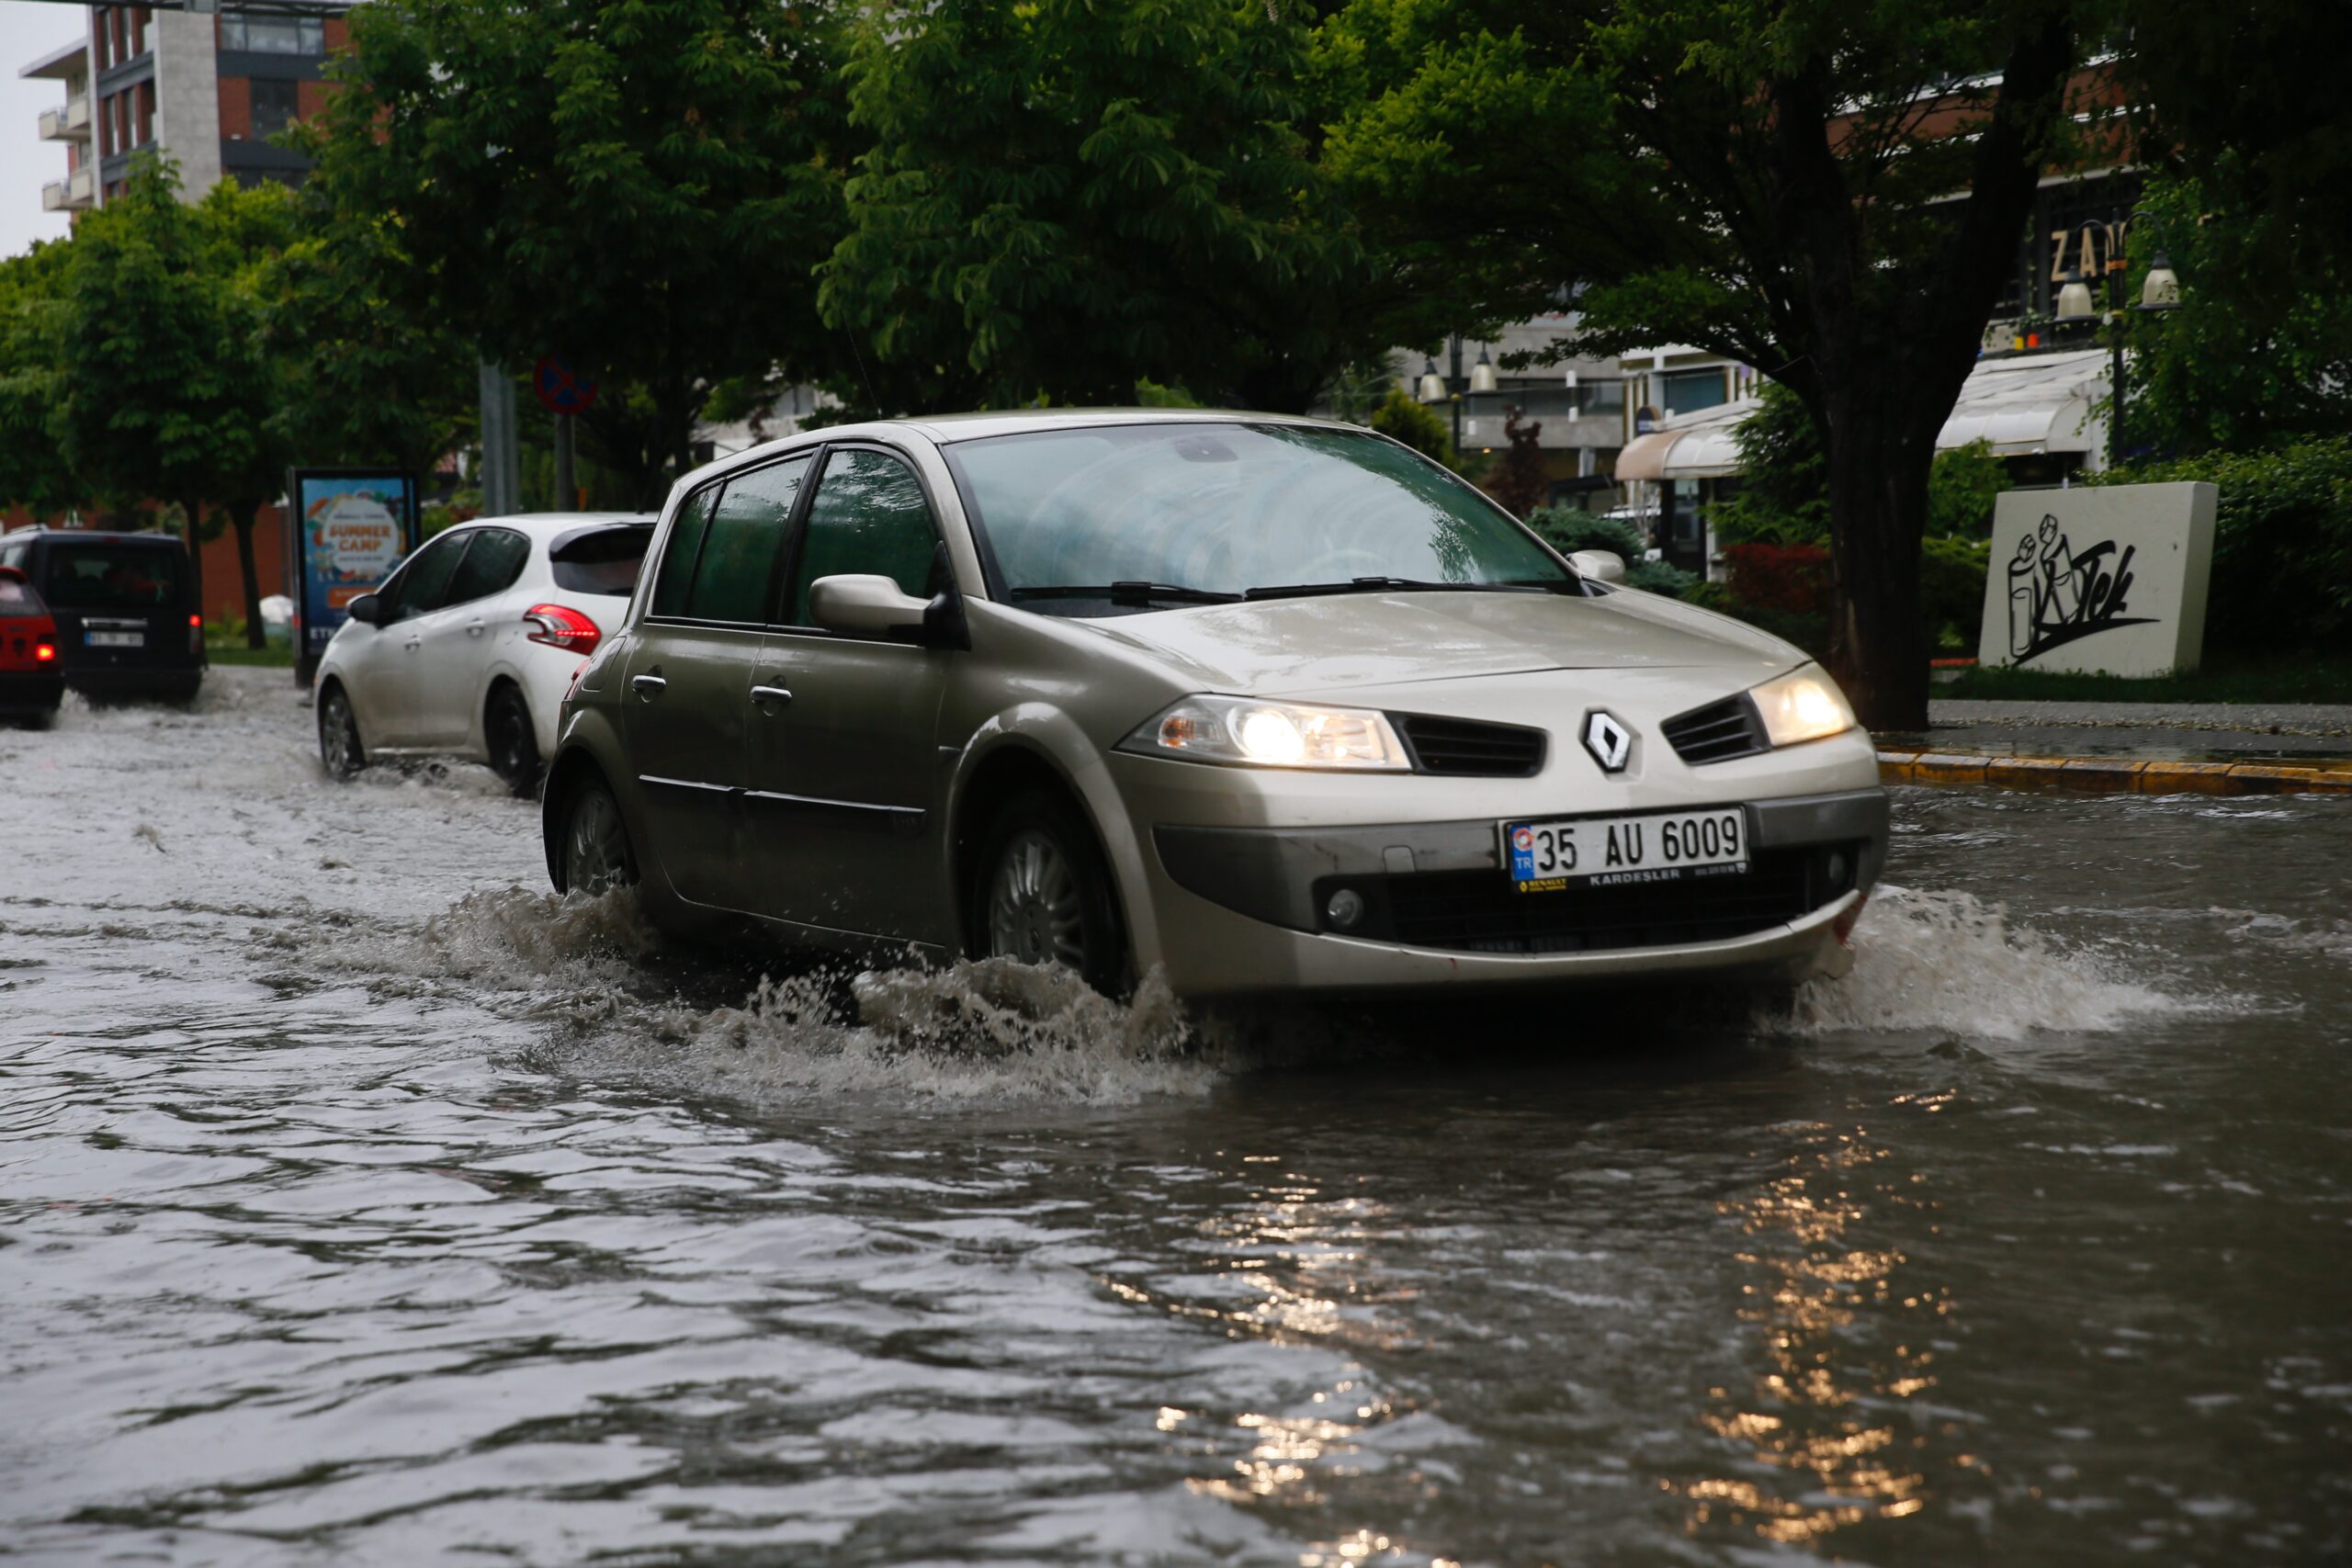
647,686
764,695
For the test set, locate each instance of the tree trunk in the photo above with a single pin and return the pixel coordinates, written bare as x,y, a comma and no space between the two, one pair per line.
241,519
191,529
1878,503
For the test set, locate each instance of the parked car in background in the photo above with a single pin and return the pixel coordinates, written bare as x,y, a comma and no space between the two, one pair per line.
1269,704
128,624
32,682
467,647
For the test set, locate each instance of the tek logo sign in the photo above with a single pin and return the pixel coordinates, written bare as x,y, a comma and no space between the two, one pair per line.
1608,741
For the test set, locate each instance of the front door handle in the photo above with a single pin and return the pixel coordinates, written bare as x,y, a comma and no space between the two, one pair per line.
764,695
414,643
473,628
647,687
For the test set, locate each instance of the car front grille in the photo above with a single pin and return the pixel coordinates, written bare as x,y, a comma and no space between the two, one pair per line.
1479,911
1717,732
1469,750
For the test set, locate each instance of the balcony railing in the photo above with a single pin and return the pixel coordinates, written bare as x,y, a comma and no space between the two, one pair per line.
72,194
68,122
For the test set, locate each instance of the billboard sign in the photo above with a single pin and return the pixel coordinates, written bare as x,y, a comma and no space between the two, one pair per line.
352,527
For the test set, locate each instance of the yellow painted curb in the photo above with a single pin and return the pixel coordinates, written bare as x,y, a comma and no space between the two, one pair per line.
2118,775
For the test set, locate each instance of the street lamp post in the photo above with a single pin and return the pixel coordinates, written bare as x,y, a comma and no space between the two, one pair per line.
1435,387
2160,291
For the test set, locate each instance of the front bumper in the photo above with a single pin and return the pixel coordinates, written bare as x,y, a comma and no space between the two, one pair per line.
1246,908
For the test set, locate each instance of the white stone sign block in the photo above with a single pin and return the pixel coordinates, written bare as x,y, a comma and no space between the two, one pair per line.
2110,580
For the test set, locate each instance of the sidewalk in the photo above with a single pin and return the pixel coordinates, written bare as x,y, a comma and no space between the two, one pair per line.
2146,748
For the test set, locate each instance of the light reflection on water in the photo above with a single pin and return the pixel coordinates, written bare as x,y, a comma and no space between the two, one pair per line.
360,1202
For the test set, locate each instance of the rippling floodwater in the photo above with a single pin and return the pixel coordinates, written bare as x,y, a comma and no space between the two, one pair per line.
361,1203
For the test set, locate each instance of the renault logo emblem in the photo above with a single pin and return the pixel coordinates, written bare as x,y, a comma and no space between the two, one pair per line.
1608,741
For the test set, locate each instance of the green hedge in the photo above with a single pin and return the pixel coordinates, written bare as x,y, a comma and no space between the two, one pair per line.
2282,542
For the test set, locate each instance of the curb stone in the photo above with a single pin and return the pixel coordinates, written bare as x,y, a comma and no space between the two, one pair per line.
2115,775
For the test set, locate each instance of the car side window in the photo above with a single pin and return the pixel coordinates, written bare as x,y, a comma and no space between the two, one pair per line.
868,516
739,549
423,582
494,561
677,572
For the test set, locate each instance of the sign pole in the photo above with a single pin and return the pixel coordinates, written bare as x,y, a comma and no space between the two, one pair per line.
567,493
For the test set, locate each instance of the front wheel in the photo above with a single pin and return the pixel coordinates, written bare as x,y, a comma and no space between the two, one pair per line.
514,741
339,746
596,856
1046,896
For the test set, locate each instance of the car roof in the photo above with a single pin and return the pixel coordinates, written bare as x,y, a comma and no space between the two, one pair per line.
552,523
99,535
949,428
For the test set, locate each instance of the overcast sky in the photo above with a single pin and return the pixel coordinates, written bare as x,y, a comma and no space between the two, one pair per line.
28,29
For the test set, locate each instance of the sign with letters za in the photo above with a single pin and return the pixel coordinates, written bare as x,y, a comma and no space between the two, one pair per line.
2110,580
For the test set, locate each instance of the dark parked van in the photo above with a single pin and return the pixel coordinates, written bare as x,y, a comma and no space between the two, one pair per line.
127,622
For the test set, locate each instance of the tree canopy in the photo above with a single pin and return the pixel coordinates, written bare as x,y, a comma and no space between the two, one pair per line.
1063,198
643,186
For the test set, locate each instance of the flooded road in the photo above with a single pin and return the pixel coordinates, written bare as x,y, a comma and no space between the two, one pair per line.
361,1203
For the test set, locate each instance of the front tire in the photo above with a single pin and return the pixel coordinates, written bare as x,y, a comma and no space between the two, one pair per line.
596,856
339,746
1044,895
514,741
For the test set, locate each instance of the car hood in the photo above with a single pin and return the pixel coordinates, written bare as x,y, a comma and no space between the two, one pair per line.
1297,647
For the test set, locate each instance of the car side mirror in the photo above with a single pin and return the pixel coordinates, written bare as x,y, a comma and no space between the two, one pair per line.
1602,566
367,610
870,604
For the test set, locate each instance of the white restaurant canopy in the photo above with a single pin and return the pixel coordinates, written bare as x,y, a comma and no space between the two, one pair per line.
2030,403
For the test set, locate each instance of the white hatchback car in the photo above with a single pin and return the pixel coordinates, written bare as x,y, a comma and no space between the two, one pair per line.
468,648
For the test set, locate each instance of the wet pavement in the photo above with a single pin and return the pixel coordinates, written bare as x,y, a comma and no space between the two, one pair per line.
2302,733
360,1202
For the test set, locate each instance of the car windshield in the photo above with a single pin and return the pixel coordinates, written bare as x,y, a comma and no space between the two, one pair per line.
603,561
136,579
1092,520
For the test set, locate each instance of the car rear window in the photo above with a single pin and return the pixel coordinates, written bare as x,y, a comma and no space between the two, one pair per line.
17,600
136,579
603,561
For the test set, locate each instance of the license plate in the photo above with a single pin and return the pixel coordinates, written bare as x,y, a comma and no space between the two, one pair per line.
115,640
1604,851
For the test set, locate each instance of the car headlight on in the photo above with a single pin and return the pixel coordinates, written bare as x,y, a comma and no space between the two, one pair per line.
1246,732
1804,705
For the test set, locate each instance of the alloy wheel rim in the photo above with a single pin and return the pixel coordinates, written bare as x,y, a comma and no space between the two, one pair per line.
594,860
1034,911
336,732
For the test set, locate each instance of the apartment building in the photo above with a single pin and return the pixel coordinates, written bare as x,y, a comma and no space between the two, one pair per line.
208,88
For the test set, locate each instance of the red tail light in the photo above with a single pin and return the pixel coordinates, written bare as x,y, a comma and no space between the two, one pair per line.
559,625
44,652
196,633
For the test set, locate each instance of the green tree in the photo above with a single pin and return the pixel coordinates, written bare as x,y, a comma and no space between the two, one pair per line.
1066,195
166,395
1400,416
35,472
1780,183
2260,355
643,186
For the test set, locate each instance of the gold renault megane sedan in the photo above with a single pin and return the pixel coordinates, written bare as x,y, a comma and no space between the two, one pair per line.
1269,704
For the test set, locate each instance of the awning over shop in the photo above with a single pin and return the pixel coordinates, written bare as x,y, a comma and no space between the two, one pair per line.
1643,457
2032,403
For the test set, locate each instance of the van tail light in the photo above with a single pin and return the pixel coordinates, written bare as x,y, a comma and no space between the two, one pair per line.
44,653
196,633
559,625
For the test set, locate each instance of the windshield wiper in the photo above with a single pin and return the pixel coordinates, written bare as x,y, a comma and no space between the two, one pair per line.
1372,585
1128,593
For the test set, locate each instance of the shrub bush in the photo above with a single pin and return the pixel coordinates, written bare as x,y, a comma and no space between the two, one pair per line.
2282,542
1792,578
1568,529
1400,418
1951,591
